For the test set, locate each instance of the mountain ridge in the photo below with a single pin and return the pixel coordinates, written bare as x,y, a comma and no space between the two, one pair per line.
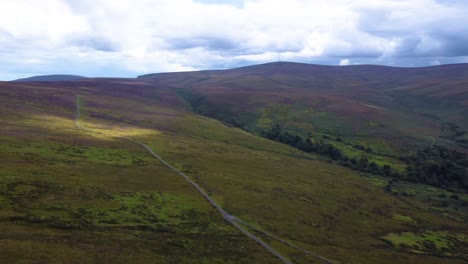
312,66
51,78
367,100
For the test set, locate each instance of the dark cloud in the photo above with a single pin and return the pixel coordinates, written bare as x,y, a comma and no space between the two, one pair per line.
410,46
439,31
356,51
431,45
452,45
375,22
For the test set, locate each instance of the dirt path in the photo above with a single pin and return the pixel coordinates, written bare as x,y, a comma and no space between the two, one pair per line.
230,218
325,260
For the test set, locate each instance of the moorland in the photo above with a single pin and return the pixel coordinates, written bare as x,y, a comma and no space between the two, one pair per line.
355,164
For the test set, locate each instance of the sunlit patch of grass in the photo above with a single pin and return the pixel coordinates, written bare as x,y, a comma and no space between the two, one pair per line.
403,218
381,182
104,132
51,121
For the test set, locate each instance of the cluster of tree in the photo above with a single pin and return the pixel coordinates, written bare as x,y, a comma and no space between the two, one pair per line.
438,166
276,133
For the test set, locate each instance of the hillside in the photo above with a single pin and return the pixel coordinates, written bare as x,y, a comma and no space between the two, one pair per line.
375,114
91,195
394,109
50,78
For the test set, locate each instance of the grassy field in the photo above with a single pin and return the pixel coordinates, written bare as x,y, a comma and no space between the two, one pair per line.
73,196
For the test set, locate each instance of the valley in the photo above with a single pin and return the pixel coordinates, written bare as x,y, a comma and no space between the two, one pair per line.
105,170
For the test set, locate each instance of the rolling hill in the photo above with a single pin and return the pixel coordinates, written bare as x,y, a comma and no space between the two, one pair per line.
91,195
393,109
50,78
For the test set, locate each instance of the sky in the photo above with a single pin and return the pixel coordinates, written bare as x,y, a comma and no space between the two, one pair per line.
129,38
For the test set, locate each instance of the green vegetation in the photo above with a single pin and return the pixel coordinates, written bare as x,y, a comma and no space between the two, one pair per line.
436,166
447,203
70,196
432,242
90,197
440,167
276,133
403,218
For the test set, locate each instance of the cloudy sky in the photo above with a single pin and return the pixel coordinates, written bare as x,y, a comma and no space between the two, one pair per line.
129,38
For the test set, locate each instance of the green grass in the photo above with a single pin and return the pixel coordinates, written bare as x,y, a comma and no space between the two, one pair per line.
403,218
378,181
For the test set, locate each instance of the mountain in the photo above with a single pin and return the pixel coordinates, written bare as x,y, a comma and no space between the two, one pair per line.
402,108
80,182
50,78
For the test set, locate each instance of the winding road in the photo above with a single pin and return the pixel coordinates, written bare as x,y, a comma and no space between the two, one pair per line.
230,218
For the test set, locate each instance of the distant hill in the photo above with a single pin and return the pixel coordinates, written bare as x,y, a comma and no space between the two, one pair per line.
321,72
364,104
51,78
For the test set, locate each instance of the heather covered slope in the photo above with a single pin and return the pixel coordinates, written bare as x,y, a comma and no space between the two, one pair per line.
75,196
393,109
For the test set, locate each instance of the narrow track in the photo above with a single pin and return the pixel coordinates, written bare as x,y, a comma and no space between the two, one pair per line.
323,259
77,116
228,217
231,219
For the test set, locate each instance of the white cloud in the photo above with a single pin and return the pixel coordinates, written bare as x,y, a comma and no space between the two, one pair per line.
107,37
345,62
